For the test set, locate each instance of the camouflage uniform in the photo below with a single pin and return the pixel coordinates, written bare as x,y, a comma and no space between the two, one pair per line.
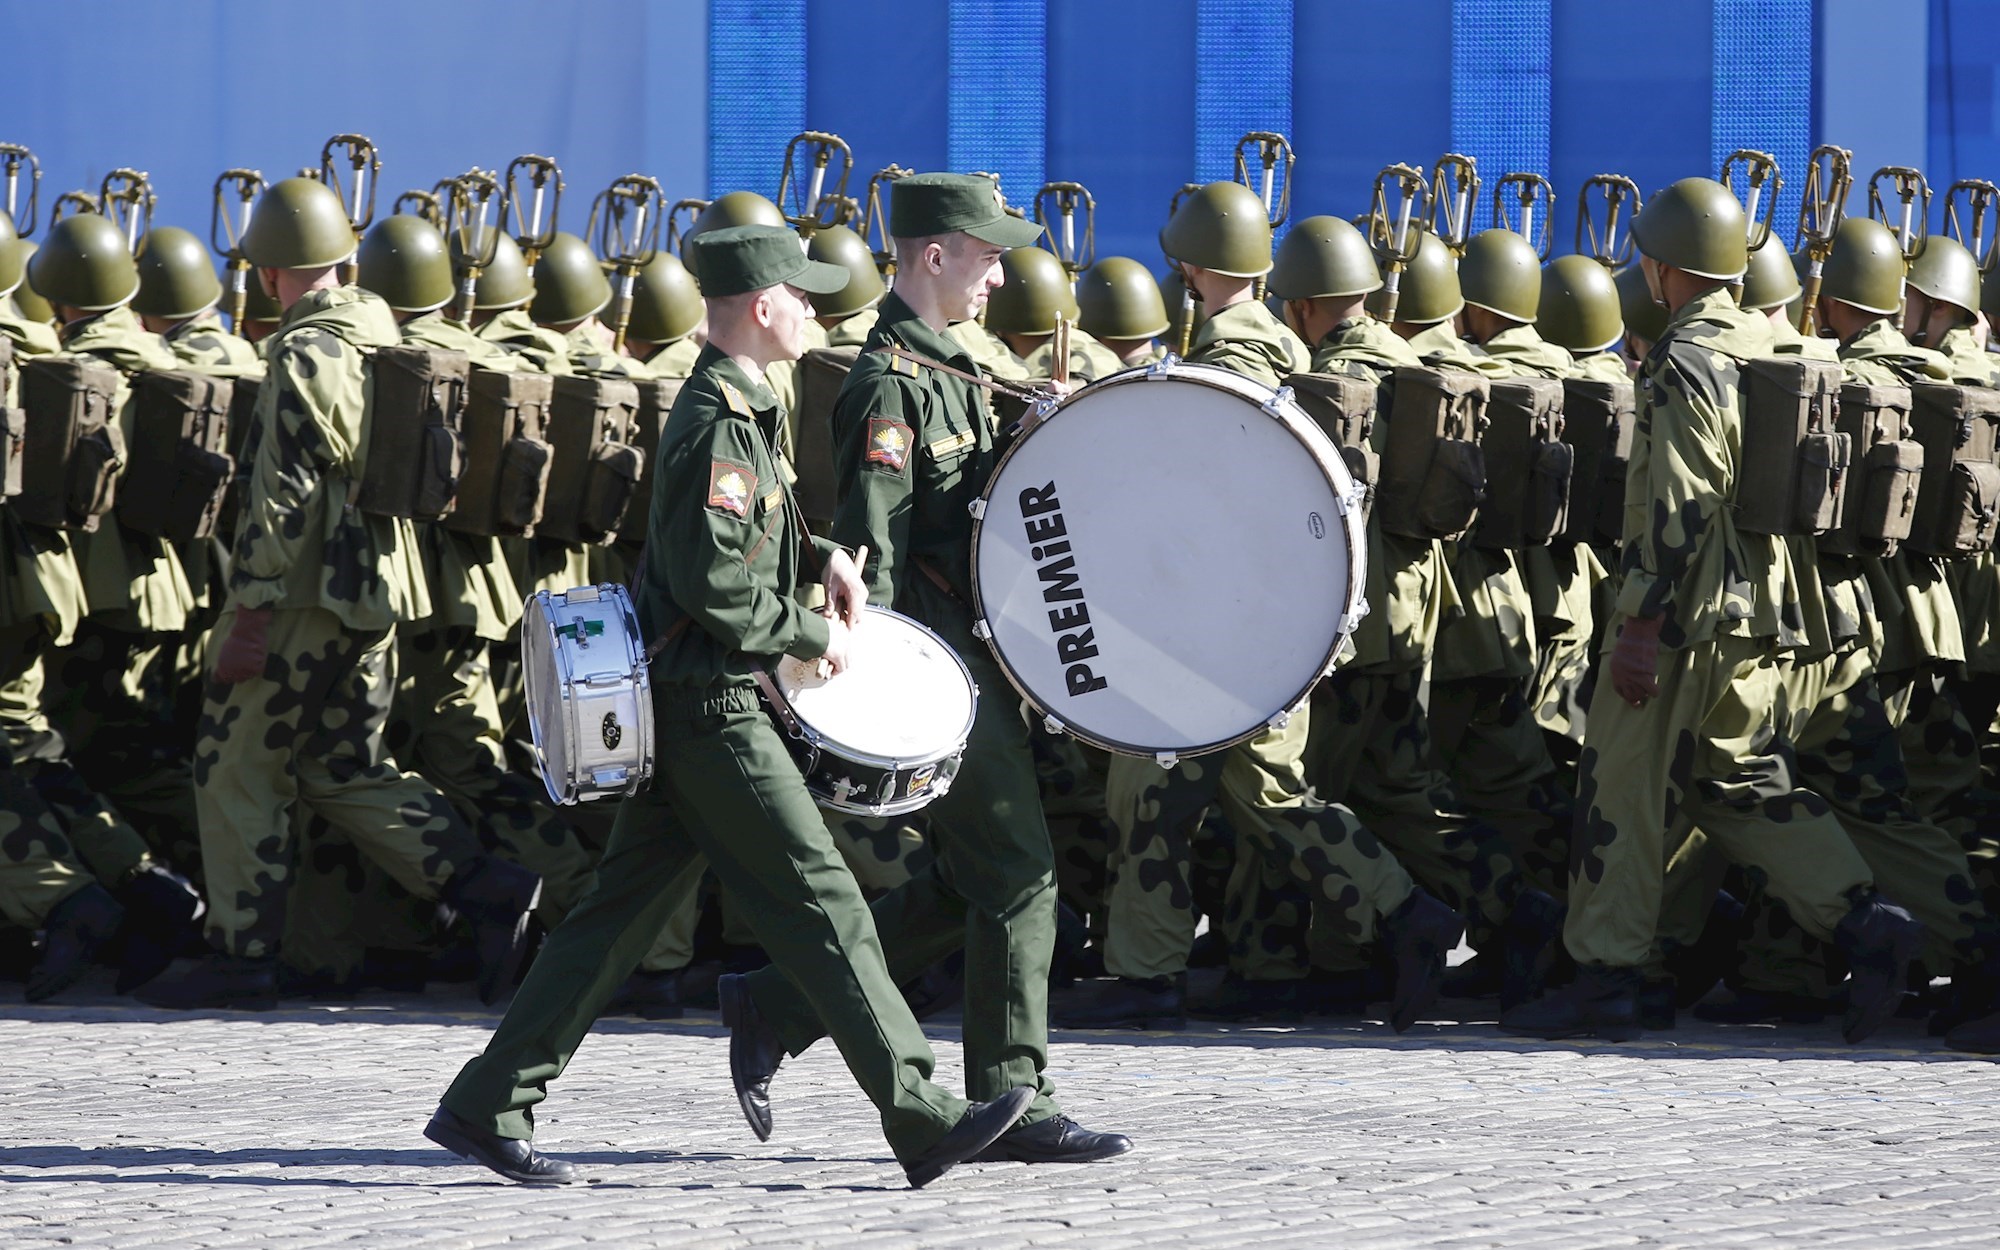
853,331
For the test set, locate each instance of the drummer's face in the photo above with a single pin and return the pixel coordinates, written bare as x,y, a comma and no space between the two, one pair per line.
791,308
969,270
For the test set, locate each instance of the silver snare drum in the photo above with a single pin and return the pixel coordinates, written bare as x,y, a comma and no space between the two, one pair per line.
589,695
886,735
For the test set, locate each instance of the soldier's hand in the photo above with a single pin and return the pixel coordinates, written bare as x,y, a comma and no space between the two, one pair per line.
246,647
1635,660
846,592
838,636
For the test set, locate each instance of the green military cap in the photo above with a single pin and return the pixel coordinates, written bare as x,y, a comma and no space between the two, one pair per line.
13,262
666,303
176,276
1943,270
1579,305
736,260
298,224
1501,273
1866,267
924,205
1429,292
85,265
1117,299
837,245
1695,225
1034,292
569,284
1771,279
1642,313
33,305
404,260
1324,257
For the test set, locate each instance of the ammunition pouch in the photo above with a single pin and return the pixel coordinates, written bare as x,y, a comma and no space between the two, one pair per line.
1793,479
1597,425
1958,502
180,465
1344,409
595,470
72,449
506,478
416,409
1433,470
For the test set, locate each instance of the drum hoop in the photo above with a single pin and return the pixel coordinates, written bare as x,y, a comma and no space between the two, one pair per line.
1300,427
641,676
825,742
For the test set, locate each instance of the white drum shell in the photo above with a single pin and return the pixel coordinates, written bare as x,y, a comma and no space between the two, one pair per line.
590,703
1218,553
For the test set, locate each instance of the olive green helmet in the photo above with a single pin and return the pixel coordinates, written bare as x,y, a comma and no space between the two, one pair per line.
13,262
1943,270
84,264
404,260
176,276
1866,268
737,208
1697,226
1501,273
1033,293
1644,318
837,245
1117,299
1771,279
298,224
1324,257
31,302
504,283
1429,290
569,286
1579,306
666,304
1222,227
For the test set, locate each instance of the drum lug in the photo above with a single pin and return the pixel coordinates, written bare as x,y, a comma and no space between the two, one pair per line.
982,631
1281,720
977,508
1167,759
1163,368
1351,502
1275,407
1054,726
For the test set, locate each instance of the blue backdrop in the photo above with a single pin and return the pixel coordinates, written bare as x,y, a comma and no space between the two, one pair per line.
1131,97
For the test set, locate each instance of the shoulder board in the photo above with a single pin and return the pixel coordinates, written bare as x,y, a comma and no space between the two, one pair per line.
735,400
903,365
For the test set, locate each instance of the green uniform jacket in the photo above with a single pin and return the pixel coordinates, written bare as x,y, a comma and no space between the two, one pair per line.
1683,558
202,342
1602,367
545,350
1440,347
723,543
1247,338
1408,588
1928,627
39,578
299,545
913,448
136,578
1521,352
469,582
853,331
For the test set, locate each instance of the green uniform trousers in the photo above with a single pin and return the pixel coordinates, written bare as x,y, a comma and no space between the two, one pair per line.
309,730
725,789
1708,752
990,889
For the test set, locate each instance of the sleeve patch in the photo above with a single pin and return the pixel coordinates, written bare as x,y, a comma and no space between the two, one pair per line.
888,443
730,488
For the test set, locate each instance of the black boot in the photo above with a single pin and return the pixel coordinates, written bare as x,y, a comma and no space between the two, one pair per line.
1747,1006
497,899
218,980
162,910
1879,940
1656,1005
1419,934
76,929
1697,968
1602,1002
1236,1000
1531,941
1126,1003
649,996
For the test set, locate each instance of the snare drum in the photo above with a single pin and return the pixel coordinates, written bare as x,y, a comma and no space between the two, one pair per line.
1168,562
885,735
589,696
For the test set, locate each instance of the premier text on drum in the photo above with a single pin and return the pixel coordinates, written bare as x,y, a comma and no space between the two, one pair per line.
1041,514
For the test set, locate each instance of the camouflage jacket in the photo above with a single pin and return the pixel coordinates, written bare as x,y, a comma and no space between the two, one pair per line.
1975,580
1407,586
983,347
1440,347
853,331
1928,628
591,353
202,344
545,350
1246,338
1683,559
1519,352
1971,364
1606,366
300,544
724,545
39,578
675,360
468,579
135,579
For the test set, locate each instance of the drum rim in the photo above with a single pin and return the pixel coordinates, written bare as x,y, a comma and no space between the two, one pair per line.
1296,423
821,741
641,773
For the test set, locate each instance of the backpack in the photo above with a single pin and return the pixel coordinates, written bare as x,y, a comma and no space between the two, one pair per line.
1597,425
506,478
1793,479
1433,471
1883,478
822,373
1528,465
1958,502
595,470
179,469
72,449
416,409
1344,409
656,403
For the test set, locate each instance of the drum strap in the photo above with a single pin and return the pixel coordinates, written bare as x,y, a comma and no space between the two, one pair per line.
937,578
666,640
1000,388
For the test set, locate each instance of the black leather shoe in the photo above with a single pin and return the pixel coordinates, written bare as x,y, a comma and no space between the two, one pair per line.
754,1052
218,980
1240,1000
1602,1002
512,1158
1879,939
1419,934
1057,1139
1761,1007
73,933
1124,1003
497,899
649,996
1342,994
977,1129
161,910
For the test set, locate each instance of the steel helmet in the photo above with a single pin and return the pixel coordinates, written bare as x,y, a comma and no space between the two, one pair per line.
1579,305
298,224
1501,273
569,285
84,264
1221,227
404,260
1033,295
666,304
1695,225
1324,257
1117,299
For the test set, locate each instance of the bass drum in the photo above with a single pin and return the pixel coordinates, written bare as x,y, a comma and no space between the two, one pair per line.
590,704
1168,562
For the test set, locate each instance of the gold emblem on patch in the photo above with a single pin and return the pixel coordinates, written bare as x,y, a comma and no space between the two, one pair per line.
730,488
888,443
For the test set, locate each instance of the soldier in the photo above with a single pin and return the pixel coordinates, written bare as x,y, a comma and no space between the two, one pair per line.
848,314
912,446
178,292
1119,305
719,590
1221,241
1645,321
1685,727
1033,294
303,660
664,334
570,290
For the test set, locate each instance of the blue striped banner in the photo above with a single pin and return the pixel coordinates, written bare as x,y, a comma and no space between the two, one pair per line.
1242,78
756,90
1500,74
999,92
1763,89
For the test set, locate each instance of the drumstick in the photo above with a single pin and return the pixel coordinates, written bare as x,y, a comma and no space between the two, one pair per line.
821,667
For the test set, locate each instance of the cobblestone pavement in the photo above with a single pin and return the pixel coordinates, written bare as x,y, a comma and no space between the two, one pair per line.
129,1127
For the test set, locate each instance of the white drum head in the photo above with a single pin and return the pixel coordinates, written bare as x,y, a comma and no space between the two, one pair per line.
904,696
543,678
1164,565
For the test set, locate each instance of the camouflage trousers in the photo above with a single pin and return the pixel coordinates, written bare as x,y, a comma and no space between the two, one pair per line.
1709,751
1940,747
38,867
309,730
1262,789
1071,776
1484,736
